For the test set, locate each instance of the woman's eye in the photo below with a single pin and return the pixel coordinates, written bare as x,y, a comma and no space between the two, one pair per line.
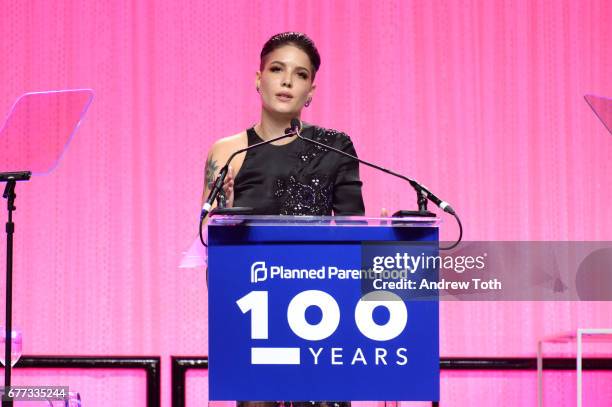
275,69
303,75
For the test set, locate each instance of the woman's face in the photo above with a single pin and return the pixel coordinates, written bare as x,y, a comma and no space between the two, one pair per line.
285,83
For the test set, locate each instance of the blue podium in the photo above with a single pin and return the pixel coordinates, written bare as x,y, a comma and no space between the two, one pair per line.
317,308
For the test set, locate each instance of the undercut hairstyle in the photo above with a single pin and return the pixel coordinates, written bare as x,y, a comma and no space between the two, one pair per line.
297,39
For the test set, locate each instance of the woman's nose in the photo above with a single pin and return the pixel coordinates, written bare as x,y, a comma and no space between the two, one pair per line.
287,81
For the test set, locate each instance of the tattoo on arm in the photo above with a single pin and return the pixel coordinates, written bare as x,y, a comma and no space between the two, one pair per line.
211,169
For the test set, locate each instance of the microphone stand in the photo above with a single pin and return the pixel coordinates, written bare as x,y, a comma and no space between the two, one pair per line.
422,192
11,179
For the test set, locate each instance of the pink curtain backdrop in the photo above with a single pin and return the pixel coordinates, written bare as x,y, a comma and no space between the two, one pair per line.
481,101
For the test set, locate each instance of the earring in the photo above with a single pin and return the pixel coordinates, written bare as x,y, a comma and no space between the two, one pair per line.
308,102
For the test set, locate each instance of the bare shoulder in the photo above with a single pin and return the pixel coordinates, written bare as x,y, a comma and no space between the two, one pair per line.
221,151
227,145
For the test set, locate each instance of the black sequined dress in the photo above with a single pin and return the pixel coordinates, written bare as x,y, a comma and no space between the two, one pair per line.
300,178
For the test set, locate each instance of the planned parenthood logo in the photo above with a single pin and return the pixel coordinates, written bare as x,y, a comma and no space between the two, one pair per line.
259,272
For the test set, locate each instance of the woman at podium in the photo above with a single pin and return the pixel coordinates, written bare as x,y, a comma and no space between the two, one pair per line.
290,176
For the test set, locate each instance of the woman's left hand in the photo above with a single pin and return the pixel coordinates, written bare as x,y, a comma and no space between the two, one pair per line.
228,188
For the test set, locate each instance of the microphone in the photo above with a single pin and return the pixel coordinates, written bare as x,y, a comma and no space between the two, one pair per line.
422,192
214,192
296,126
218,185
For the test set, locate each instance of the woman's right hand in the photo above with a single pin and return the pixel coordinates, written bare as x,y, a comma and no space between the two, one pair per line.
228,188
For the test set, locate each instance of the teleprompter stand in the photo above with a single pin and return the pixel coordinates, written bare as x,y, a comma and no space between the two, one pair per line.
11,179
36,133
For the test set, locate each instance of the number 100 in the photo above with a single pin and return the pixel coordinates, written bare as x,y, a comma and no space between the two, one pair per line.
256,302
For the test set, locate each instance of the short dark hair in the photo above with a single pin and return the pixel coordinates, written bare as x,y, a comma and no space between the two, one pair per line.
300,40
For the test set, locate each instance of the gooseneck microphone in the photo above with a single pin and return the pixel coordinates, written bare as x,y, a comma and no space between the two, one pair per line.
423,194
421,190
218,185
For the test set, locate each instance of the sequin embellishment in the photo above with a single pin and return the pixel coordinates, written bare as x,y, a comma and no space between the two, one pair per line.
312,195
311,198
